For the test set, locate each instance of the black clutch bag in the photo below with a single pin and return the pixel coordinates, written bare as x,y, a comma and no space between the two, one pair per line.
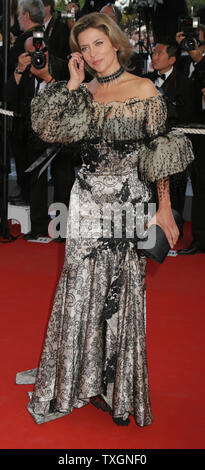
161,246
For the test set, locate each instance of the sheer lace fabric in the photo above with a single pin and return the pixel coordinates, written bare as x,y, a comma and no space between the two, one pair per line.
96,340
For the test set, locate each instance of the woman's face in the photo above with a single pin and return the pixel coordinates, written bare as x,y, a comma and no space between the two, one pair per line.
98,51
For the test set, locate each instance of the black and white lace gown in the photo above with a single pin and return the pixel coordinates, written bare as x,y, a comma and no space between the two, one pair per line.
96,342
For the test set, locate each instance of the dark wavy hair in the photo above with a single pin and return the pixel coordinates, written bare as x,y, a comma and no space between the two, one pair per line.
51,3
110,28
173,48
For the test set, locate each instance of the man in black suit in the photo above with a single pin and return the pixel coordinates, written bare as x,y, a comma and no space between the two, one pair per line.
194,66
174,84
22,86
33,16
56,32
178,91
30,18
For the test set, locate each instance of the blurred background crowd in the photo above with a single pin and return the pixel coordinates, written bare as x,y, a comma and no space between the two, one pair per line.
168,39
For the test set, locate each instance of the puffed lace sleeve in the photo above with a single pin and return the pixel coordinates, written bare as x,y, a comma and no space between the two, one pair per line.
60,115
164,152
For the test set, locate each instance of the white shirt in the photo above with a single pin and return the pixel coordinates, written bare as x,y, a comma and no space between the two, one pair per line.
41,86
47,23
192,66
159,82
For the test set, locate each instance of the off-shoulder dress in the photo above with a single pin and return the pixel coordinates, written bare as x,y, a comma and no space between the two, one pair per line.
96,339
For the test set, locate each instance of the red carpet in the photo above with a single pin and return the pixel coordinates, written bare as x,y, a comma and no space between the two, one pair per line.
175,335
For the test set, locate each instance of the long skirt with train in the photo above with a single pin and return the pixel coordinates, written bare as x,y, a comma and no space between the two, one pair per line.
95,343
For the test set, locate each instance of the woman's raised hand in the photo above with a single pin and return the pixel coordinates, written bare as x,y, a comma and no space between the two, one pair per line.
76,69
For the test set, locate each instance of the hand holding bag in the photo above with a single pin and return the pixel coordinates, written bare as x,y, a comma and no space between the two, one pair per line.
161,247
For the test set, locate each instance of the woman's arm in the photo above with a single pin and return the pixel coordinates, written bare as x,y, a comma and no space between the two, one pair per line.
60,115
164,217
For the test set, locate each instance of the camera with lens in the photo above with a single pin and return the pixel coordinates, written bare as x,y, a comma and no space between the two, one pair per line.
68,15
189,26
38,58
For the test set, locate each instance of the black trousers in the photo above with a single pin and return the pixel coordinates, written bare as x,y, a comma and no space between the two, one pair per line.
63,176
198,185
20,151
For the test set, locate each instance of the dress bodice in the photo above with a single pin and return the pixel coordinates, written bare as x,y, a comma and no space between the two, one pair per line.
113,135
128,120
75,115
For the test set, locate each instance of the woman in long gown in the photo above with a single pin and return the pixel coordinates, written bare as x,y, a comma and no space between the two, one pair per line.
96,342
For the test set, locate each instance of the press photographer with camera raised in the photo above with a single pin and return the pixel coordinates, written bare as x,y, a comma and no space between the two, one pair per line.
30,18
192,61
36,67
25,60
72,10
191,40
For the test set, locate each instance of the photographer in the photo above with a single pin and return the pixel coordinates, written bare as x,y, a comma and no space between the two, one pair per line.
30,18
192,62
194,66
72,7
26,82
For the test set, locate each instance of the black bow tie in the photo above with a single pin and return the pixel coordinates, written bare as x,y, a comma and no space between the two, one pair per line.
157,75
161,75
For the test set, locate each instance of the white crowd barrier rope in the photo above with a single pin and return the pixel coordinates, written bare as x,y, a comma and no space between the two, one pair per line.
5,112
190,130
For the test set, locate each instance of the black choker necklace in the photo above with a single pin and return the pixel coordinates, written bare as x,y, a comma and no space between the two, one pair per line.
111,77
